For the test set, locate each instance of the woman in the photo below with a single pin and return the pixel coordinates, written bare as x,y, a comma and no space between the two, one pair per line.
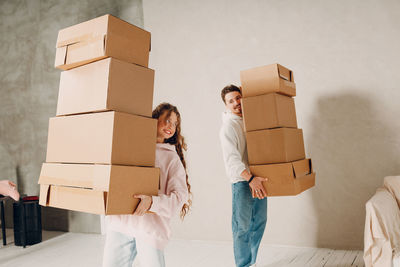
147,231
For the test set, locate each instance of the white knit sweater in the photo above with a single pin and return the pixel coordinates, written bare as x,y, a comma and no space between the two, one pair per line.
233,143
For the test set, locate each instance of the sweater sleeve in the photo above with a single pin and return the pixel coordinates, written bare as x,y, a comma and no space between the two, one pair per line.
167,205
232,158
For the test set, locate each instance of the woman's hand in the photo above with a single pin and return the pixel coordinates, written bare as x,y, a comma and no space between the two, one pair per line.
144,204
257,188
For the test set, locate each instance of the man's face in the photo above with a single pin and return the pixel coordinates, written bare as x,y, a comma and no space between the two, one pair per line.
232,102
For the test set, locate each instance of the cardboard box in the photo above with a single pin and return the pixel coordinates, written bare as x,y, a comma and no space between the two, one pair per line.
286,179
275,146
104,138
268,111
108,84
105,36
110,187
267,79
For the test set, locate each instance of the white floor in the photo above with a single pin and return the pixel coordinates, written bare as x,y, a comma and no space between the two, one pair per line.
72,249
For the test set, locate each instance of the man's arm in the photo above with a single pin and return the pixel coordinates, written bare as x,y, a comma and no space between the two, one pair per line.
234,164
232,157
257,188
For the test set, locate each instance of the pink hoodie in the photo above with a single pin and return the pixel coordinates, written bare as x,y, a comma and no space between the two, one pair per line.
173,193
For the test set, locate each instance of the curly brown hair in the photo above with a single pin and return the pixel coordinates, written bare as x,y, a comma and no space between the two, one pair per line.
178,141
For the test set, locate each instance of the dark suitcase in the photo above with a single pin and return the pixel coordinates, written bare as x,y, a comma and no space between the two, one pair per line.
27,222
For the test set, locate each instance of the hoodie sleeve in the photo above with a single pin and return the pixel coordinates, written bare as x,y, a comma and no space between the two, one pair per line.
232,158
167,205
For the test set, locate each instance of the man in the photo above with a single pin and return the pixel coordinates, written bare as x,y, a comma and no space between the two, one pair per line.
249,202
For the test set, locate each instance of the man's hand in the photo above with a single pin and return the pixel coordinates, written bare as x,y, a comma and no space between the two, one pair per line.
144,204
257,188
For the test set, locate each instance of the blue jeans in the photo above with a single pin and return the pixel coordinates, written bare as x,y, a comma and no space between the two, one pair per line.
249,217
120,251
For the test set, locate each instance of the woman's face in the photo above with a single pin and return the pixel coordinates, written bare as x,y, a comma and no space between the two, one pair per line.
166,127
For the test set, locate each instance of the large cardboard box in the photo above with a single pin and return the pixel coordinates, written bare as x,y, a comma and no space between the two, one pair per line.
108,189
108,84
275,146
267,79
104,138
286,179
105,36
268,111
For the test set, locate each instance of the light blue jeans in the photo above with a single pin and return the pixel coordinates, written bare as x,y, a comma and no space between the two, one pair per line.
249,217
120,251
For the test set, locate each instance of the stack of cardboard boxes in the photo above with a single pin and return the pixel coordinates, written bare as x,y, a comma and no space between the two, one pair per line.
274,143
101,144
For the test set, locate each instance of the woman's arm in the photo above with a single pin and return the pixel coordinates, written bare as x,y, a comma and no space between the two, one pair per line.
168,204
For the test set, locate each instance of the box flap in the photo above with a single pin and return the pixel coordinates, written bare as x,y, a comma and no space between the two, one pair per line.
94,176
80,53
61,56
276,173
285,73
92,47
78,199
301,167
83,31
305,182
74,40
44,194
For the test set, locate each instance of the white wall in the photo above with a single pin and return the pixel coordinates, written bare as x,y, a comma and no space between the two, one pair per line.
345,57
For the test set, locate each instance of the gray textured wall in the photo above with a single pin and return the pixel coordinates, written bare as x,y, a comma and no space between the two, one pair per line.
29,87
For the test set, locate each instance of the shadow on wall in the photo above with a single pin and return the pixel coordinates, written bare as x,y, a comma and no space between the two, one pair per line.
352,148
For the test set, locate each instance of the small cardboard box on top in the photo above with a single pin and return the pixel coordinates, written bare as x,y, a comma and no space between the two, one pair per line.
105,36
108,84
275,146
268,111
267,79
94,188
286,179
103,138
